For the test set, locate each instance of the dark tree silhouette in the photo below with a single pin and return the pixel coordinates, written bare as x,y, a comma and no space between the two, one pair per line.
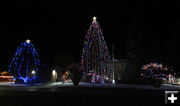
134,54
76,73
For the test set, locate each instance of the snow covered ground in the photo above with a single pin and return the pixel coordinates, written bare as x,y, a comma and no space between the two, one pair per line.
110,85
90,85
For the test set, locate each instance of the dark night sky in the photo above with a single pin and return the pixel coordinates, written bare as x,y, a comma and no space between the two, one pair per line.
57,27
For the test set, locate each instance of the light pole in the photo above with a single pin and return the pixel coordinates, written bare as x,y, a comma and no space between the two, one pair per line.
113,79
54,74
33,74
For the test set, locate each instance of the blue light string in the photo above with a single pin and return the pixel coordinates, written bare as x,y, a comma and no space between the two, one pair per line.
25,49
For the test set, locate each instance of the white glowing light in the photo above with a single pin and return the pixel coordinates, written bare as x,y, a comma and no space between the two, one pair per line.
33,72
107,78
54,72
28,41
94,18
113,81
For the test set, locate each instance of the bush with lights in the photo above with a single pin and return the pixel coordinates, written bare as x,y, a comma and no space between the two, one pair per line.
155,71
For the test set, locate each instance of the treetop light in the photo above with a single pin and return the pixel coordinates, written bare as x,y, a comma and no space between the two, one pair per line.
28,41
94,18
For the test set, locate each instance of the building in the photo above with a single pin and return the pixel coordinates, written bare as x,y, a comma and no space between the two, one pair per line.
120,70
57,73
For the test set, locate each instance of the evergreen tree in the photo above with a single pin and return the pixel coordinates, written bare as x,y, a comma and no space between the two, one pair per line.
25,63
134,53
76,73
96,57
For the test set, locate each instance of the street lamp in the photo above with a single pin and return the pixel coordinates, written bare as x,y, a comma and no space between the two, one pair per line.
54,72
54,75
113,60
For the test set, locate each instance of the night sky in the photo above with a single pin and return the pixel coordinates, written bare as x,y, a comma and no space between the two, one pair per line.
59,28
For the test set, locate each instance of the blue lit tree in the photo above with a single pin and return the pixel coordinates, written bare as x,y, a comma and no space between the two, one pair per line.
25,63
96,57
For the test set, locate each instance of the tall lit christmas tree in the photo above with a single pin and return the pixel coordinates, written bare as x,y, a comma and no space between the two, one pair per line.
96,57
25,63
